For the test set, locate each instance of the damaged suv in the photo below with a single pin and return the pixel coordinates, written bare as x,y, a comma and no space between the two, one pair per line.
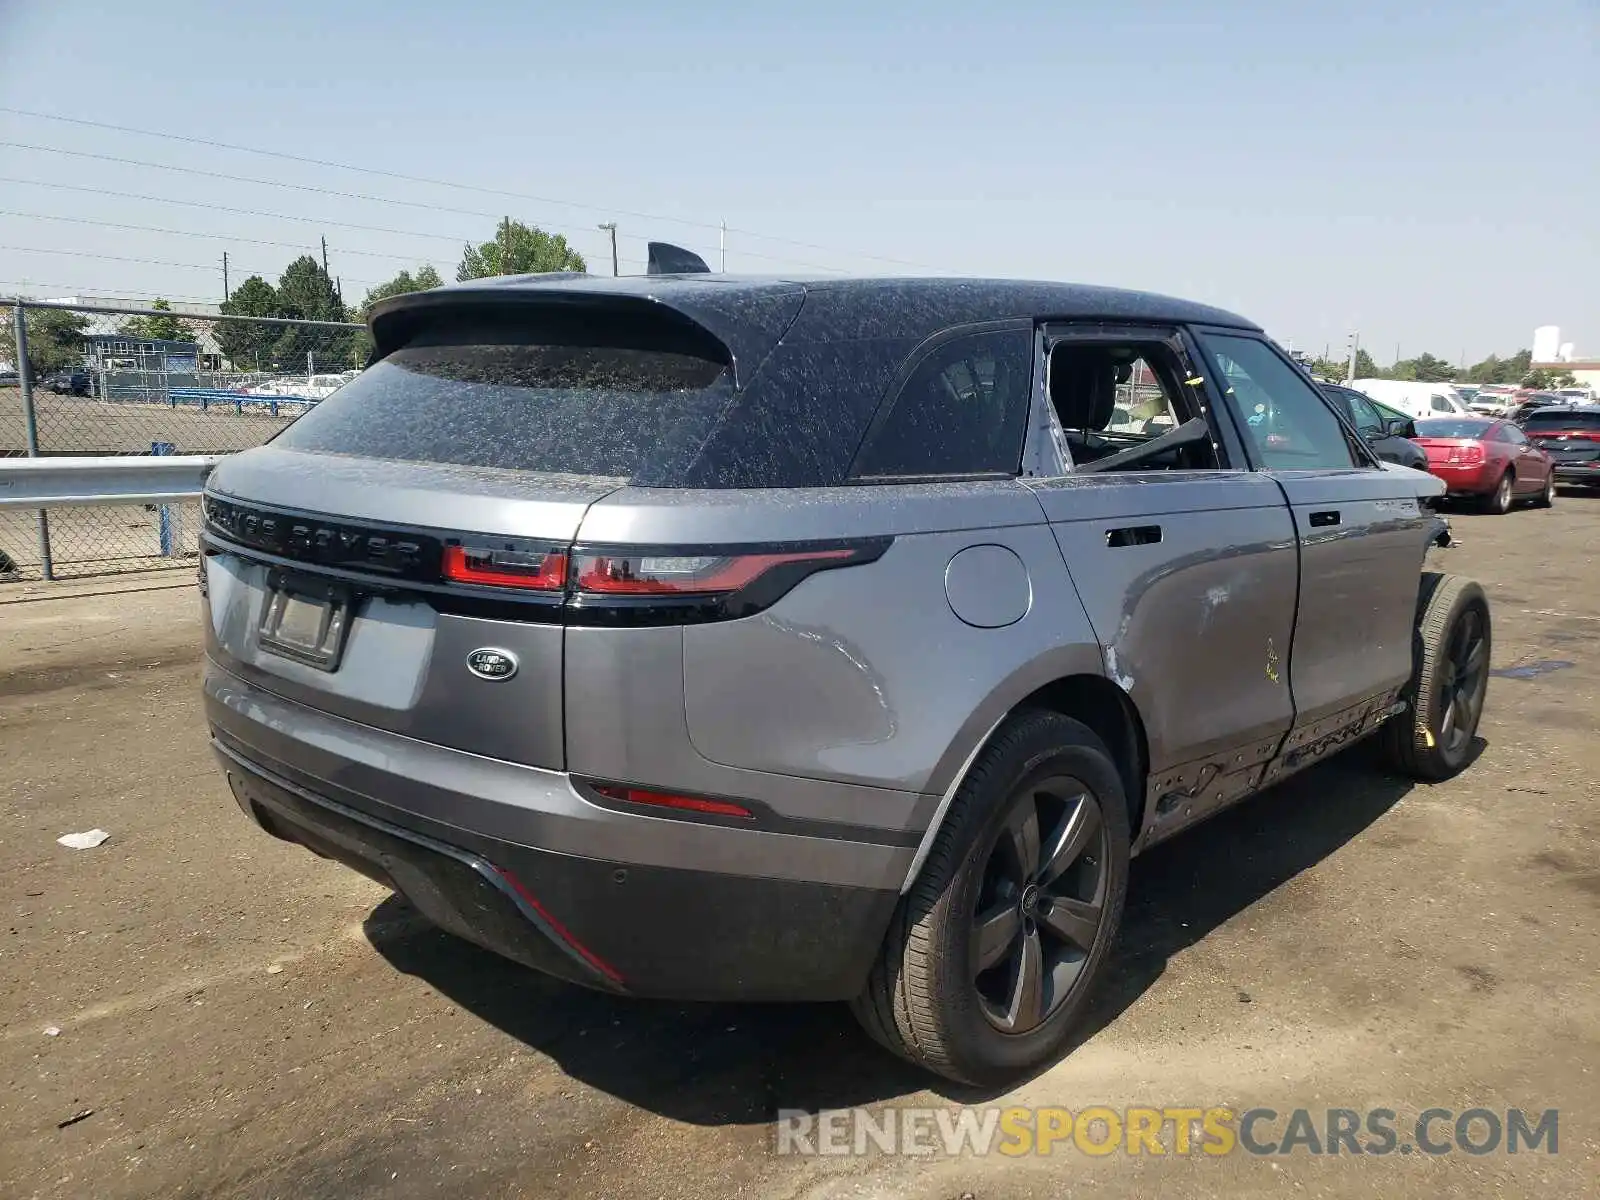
705,638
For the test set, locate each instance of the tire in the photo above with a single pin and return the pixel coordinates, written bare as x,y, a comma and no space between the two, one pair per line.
1547,498
1417,743
1498,501
926,999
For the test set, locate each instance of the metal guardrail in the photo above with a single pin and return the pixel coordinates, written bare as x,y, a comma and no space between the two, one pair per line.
121,479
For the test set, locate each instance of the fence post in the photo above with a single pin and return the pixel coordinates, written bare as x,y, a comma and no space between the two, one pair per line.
164,513
47,566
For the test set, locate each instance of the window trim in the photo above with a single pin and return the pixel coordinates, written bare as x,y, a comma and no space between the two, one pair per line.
895,389
1360,450
1046,455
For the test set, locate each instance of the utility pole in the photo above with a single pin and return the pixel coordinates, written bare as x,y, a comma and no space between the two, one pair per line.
505,246
225,292
338,290
324,256
1355,345
722,248
611,228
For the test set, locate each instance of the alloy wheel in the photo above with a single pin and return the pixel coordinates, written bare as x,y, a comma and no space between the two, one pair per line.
1041,904
1463,681
1502,495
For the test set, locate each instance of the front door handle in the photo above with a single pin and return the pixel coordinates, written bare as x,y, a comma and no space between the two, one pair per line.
1326,517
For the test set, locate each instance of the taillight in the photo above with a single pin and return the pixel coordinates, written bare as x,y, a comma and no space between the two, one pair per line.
538,571
637,586
685,575
699,804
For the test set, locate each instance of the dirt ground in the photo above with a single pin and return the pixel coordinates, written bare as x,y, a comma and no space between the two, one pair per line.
238,1018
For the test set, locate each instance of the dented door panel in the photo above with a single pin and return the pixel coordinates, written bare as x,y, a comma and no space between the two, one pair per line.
1189,580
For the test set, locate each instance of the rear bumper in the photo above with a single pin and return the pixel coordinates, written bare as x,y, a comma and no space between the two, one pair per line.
611,920
1467,481
1587,472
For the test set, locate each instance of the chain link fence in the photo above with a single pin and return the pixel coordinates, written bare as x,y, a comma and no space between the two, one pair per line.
98,381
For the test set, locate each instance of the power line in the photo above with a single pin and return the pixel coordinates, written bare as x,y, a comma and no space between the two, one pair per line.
154,262
445,183
242,212
304,247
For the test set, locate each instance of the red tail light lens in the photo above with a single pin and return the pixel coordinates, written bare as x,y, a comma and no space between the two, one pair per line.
655,575
633,795
537,571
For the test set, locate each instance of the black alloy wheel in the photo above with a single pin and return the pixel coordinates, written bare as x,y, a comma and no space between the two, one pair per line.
1040,905
1463,681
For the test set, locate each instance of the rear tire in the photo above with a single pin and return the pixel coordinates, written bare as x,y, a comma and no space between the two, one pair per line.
1498,501
1547,498
1449,681
930,998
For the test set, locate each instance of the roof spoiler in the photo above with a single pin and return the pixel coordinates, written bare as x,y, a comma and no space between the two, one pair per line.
667,259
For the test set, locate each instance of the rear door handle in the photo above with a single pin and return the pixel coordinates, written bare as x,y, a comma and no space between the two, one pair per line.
1327,517
1133,535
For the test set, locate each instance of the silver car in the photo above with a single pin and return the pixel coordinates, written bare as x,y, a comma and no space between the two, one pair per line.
717,639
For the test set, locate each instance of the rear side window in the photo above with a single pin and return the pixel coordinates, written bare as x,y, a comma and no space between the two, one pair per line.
1538,421
486,396
962,411
1441,405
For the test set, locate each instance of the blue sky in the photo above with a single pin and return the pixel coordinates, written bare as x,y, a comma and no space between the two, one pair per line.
1429,175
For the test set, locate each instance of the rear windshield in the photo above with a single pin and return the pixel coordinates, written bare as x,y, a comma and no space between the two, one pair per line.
1442,428
482,397
1561,420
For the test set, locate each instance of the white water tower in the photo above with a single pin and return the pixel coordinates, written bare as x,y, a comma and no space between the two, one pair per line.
1565,353
1546,342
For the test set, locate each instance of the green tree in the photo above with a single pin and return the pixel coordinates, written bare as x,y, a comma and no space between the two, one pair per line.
1566,379
519,249
55,340
246,345
425,278
1495,369
157,329
1425,368
306,291
1541,380
1338,369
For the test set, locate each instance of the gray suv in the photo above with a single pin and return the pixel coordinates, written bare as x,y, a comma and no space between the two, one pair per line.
718,639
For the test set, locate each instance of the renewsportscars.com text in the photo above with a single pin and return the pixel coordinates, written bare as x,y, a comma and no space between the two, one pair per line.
1099,1131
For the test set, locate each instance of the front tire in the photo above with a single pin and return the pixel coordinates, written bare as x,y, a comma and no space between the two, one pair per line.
995,951
1449,682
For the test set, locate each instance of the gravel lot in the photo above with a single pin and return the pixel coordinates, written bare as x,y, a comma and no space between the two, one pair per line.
239,1018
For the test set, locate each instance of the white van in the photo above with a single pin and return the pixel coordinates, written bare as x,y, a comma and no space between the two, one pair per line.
1415,399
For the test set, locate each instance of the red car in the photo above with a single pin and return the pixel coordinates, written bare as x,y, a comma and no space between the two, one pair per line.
1487,459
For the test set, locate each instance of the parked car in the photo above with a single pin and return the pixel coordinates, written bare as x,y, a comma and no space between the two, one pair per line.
1571,437
1416,399
1388,435
1532,402
1576,395
538,623
10,379
75,382
1487,460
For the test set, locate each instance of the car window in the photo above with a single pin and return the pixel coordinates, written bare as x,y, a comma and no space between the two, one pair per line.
962,411
1288,419
1367,418
1453,427
1440,404
1545,420
1110,396
1512,434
